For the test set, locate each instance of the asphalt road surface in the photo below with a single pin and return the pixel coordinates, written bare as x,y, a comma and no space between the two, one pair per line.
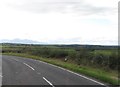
24,71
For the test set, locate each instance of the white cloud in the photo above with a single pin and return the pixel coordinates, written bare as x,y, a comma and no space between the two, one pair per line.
85,7
66,26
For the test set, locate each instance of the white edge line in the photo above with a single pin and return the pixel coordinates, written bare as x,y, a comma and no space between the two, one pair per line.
29,66
71,72
48,82
74,73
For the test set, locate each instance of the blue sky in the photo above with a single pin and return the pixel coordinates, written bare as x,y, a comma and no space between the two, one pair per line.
60,21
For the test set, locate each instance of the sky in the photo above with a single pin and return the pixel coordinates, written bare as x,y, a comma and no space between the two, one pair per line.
60,21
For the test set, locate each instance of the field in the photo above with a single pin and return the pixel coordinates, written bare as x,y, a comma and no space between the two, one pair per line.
99,62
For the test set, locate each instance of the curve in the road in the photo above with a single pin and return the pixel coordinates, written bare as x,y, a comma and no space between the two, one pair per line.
24,71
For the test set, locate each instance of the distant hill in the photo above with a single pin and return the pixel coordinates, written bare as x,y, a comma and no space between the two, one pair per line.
99,47
75,46
21,41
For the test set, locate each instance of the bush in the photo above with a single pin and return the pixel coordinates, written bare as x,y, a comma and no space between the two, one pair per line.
113,61
99,58
82,56
50,52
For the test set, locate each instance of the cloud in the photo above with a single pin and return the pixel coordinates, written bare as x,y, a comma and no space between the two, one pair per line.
75,40
61,6
25,19
102,42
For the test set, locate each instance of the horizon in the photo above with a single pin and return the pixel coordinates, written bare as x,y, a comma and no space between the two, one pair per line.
60,21
44,43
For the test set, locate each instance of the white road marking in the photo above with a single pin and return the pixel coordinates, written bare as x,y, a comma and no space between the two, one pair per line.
29,66
48,82
74,73
70,72
39,73
1,76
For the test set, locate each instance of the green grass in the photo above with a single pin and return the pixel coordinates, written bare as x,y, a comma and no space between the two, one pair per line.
99,74
106,52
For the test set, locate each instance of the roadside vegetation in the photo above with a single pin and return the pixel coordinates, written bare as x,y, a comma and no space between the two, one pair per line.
98,62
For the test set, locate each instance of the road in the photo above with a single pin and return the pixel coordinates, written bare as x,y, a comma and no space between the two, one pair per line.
24,71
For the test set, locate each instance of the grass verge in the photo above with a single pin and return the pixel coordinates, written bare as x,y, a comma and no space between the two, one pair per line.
99,74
